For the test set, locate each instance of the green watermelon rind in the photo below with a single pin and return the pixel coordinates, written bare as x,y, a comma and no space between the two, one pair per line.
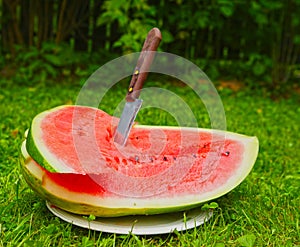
31,147
33,142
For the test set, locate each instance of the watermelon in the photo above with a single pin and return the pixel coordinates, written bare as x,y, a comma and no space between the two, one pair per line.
70,160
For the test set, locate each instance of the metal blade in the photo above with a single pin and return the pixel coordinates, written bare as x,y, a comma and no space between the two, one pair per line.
126,121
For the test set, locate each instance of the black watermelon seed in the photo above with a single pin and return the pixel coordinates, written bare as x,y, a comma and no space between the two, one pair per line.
226,153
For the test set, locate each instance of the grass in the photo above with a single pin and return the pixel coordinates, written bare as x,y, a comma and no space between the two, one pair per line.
262,211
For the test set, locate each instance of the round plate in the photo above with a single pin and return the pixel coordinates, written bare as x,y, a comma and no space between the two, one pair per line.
138,225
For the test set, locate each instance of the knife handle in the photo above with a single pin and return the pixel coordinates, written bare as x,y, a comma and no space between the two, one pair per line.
143,64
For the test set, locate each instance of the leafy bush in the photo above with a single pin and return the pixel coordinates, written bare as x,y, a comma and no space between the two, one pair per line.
133,20
256,41
52,61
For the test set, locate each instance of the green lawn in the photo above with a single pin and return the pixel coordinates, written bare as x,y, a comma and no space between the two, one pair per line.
262,211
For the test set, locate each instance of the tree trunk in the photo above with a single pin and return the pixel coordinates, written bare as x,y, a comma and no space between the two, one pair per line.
98,33
81,34
13,22
25,20
60,22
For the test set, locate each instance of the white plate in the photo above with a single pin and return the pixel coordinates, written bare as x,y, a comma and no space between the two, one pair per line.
139,225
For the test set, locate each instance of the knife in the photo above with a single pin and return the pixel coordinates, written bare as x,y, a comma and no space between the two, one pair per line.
133,103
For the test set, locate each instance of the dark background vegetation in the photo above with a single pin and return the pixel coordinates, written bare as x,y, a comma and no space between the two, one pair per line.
254,42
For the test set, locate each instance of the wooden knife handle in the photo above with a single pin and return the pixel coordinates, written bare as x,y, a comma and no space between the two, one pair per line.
143,64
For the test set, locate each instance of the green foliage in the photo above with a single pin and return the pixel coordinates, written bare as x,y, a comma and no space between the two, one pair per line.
212,205
90,217
247,240
52,62
254,41
209,36
37,65
133,19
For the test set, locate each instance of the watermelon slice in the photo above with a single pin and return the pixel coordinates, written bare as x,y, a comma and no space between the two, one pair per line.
72,161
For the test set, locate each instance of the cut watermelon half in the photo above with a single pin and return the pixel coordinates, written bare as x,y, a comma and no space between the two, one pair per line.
70,159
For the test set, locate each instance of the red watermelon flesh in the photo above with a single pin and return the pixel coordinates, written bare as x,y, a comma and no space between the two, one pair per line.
160,169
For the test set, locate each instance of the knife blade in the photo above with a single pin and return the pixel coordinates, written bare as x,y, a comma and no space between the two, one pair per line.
133,103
